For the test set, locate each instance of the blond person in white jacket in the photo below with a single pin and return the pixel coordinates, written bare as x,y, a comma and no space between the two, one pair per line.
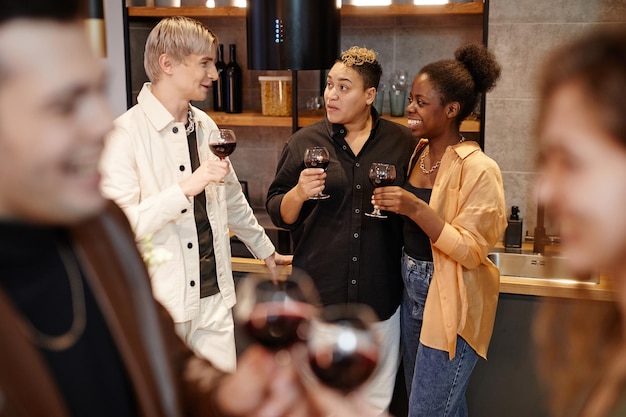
148,169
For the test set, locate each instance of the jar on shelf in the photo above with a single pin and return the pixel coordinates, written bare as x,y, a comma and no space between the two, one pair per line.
275,95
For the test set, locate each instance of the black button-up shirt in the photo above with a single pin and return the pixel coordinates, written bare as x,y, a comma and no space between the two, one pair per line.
350,256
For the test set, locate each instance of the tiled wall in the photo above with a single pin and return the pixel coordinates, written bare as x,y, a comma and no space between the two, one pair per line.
403,43
522,32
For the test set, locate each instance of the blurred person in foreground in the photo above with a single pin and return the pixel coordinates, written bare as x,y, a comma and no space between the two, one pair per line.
454,213
351,257
582,183
80,334
157,167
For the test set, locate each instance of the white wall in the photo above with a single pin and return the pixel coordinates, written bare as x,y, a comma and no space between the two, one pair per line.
115,59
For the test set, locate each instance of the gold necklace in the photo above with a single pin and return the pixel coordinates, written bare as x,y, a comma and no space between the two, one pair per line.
434,167
79,310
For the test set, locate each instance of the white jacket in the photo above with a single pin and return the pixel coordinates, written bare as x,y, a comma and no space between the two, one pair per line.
145,158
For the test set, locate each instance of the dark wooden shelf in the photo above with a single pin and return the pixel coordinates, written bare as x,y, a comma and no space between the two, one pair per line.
256,119
190,11
413,10
391,10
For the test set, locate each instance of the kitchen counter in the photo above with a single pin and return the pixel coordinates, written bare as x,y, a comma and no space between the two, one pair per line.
508,284
553,287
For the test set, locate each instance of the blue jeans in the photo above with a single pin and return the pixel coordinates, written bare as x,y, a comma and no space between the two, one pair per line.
436,384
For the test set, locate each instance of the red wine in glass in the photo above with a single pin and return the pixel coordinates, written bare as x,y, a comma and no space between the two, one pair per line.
342,371
343,347
381,182
319,163
222,142
276,313
381,175
277,326
222,150
317,157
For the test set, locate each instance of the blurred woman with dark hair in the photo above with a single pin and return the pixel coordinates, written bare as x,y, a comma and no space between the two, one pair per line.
582,132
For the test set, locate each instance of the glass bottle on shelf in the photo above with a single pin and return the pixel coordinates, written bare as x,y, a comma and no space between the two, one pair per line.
219,86
233,97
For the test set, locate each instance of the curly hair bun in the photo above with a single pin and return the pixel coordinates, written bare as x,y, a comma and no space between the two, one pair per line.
481,64
358,56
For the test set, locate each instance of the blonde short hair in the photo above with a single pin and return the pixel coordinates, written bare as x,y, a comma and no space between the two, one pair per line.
177,37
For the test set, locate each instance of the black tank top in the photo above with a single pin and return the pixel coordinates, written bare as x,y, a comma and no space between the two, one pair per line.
416,242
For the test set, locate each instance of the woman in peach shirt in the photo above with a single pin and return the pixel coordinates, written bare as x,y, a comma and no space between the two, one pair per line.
454,209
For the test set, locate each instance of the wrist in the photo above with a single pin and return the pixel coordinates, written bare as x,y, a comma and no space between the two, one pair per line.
184,189
300,195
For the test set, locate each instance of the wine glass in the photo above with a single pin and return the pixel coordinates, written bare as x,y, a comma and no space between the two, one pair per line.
222,142
315,104
317,157
399,80
343,348
276,313
381,175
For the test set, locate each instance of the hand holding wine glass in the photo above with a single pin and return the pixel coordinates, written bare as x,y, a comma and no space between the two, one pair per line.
343,348
317,157
381,175
276,313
